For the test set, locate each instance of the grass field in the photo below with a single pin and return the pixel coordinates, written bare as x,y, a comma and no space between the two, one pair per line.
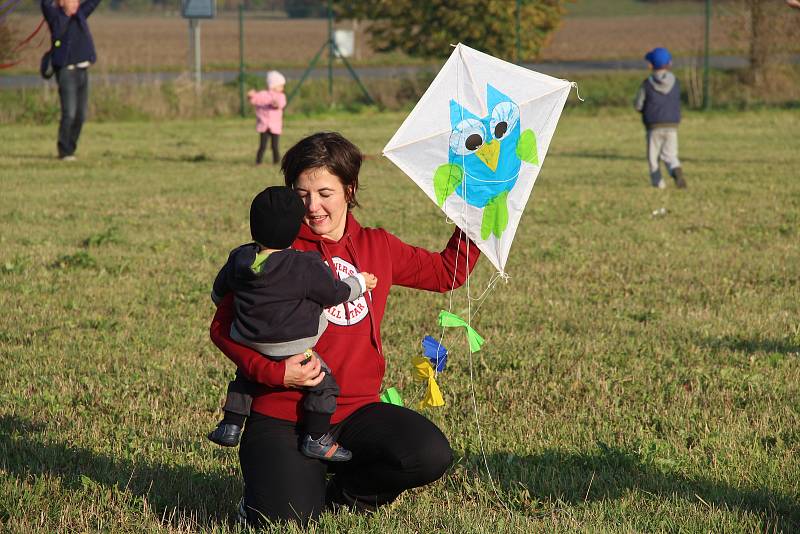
640,373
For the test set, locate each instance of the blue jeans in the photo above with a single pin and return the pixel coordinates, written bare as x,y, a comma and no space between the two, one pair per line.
73,90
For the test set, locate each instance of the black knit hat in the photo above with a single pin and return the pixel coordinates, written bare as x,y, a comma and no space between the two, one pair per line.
275,217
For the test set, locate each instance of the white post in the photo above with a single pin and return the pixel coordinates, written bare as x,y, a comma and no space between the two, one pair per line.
356,48
194,50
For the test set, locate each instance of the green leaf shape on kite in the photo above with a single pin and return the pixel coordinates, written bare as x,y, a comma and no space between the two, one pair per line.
445,181
526,147
495,216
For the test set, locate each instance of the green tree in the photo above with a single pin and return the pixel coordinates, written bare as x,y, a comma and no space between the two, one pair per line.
427,29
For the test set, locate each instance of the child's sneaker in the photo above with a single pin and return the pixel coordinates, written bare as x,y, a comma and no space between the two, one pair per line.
226,434
660,184
677,174
241,513
325,448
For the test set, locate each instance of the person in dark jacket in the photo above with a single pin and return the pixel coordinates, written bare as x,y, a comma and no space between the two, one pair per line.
279,295
659,102
73,53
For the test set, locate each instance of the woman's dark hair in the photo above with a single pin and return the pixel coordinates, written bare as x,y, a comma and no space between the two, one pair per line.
331,151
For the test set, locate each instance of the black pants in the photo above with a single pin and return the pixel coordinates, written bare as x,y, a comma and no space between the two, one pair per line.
394,449
319,402
73,90
262,145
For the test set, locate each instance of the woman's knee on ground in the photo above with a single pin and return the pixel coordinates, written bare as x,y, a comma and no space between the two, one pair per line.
430,460
266,509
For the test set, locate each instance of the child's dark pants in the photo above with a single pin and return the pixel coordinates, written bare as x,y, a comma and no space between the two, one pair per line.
319,401
262,145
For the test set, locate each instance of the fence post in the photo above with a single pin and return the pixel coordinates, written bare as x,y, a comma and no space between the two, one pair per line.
518,24
706,89
194,41
330,51
241,60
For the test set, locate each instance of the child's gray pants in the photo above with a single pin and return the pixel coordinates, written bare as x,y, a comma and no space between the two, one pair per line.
319,402
662,144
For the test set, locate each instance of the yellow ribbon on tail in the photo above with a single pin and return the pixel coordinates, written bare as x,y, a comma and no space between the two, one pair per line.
425,372
447,319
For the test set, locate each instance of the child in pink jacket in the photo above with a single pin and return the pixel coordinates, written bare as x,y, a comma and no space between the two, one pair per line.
269,106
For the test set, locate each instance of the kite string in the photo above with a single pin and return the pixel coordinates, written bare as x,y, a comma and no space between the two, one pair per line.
458,247
483,297
577,91
469,303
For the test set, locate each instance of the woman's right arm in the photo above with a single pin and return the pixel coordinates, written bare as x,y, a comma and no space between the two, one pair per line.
291,372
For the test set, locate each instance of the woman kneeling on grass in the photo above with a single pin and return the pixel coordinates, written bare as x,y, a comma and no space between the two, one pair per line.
394,448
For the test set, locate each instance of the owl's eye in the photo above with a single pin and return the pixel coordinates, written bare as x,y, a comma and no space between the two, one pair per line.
505,117
467,137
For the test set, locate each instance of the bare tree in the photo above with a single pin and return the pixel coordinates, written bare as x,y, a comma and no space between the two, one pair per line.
7,42
772,31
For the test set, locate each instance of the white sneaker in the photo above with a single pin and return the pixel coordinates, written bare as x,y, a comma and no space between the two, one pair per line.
69,158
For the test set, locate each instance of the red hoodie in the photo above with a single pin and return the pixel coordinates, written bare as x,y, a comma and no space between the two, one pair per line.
351,345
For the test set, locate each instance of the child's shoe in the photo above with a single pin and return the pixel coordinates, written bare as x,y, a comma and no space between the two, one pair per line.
241,513
325,448
226,434
677,174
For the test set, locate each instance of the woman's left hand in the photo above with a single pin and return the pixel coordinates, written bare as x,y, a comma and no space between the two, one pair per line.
302,371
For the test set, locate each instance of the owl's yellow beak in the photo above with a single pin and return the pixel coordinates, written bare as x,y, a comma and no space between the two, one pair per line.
489,153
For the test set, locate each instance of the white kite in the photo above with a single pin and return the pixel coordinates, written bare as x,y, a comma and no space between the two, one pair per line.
475,143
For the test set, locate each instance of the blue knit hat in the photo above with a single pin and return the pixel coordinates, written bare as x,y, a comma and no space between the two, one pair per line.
658,57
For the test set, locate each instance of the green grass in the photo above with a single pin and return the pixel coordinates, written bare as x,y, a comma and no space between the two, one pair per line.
177,100
640,373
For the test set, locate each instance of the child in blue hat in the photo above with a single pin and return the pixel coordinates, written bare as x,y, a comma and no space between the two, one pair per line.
659,102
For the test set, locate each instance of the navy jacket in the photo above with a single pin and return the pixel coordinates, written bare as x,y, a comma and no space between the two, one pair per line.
284,301
661,107
70,36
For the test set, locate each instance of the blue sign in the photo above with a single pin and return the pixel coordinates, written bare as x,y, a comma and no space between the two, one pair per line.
198,9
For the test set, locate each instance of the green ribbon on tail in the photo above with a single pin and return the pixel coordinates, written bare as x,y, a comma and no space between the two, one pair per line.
392,397
447,319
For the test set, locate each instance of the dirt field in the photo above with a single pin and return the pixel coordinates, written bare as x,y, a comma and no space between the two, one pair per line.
152,43
627,37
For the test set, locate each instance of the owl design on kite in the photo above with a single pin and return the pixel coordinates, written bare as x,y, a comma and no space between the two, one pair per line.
484,158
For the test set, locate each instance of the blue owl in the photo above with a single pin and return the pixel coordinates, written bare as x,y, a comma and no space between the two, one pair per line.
484,159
